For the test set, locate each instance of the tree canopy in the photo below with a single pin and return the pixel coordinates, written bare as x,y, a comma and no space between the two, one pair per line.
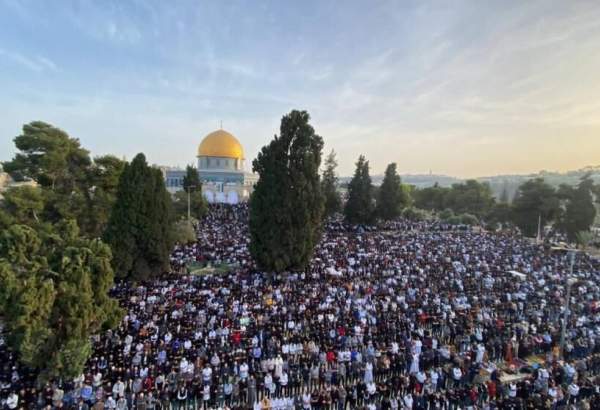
580,211
333,201
360,206
286,206
535,201
54,294
71,185
198,205
140,226
49,156
191,179
391,198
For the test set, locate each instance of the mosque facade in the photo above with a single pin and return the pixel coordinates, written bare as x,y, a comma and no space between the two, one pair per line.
221,168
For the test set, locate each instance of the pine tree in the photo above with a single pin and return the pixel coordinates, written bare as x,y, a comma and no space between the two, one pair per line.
54,295
286,206
359,208
70,184
329,185
392,197
139,231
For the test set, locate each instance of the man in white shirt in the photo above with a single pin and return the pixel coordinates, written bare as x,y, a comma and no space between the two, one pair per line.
283,382
244,371
207,374
12,402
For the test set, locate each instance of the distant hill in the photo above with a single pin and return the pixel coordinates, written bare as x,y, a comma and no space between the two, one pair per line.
497,182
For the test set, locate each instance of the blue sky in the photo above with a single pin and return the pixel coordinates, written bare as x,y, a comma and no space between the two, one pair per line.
464,88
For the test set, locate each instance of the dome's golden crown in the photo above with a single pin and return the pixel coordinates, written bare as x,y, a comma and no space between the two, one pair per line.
221,143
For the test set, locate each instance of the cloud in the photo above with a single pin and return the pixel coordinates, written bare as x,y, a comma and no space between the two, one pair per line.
37,64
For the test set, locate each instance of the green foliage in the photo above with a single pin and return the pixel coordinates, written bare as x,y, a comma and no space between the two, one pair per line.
469,197
360,208
446,214
414,214
329,186
139,230
469,219
191,180
286,207
54,294
580,211
534,199
198,205
24,204
501,213
70,184
184,232
504,198
584,239
431,198
48,156
391,197
99,195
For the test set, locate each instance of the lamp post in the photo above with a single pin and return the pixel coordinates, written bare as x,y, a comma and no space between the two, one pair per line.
188,189
570,282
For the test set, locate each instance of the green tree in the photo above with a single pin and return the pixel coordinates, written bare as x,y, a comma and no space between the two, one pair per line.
54,295
580,212
391,197
99,195
501,213
470,197
359,207
534,201
139,230
286,207
329,185
504,198
191,179
184,232
24,204
414,214
584,239
49,156
198,205
72,186
431,198
469,219
446,214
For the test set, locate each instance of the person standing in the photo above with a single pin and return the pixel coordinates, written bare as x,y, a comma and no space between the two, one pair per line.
251,390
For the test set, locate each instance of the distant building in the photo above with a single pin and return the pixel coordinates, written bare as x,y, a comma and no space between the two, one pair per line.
221,168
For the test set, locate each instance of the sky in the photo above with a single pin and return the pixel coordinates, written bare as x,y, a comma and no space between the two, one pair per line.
467,89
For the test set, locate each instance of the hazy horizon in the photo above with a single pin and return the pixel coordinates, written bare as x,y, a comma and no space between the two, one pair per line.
465,89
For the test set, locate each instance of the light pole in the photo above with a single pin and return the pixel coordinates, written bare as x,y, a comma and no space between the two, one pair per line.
188,192
570,282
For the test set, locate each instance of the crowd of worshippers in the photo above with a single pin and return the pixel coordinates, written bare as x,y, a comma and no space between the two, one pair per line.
405,315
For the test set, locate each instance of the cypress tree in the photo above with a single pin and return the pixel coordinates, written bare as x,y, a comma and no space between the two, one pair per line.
333,202
359,208
191,179
391,198
286,206
139,229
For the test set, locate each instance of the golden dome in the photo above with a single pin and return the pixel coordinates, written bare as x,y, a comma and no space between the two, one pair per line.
220,143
